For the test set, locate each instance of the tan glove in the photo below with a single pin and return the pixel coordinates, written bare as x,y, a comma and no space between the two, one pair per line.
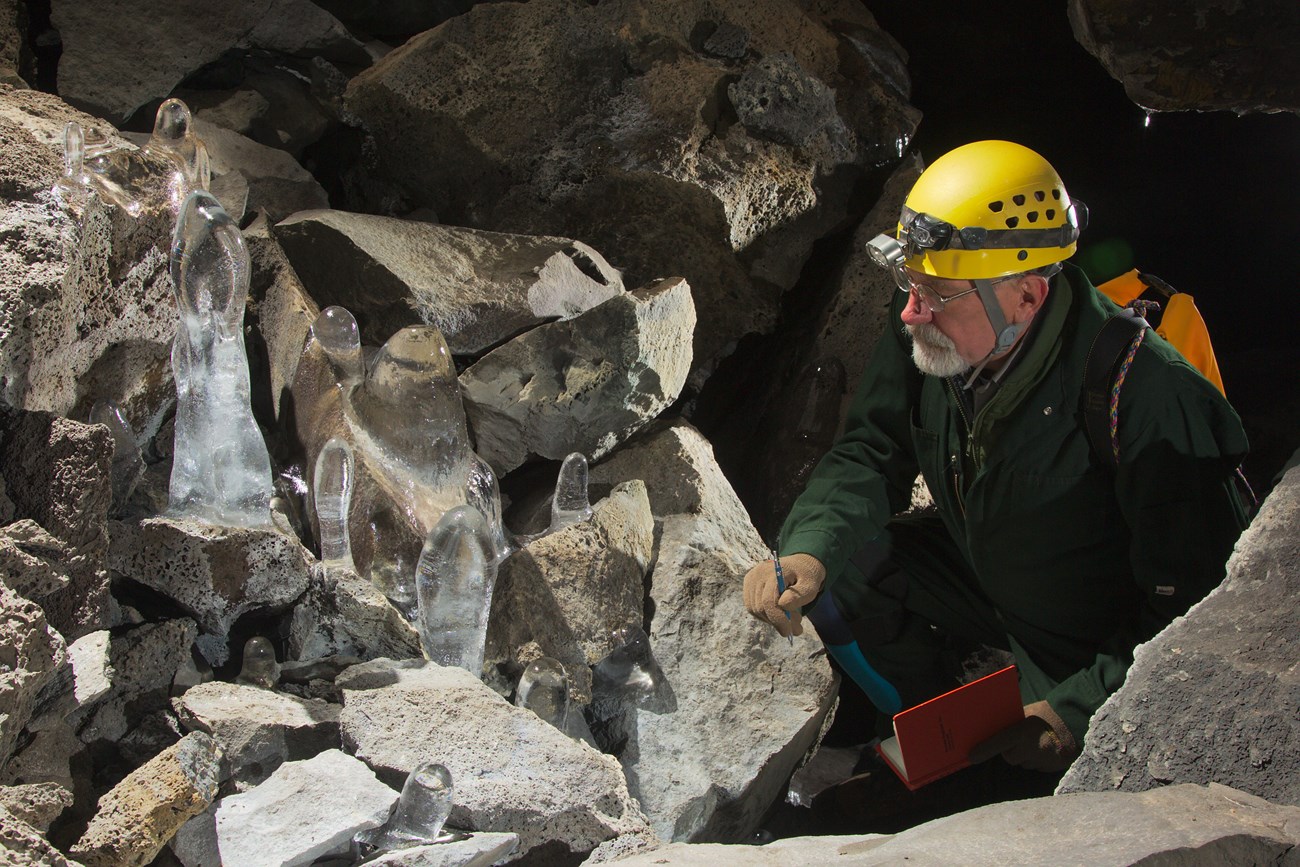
1040,742
804,576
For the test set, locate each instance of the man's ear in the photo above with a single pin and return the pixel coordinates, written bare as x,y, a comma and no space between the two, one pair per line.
1031,293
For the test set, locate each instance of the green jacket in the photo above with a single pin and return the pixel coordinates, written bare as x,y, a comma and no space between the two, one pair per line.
1081,561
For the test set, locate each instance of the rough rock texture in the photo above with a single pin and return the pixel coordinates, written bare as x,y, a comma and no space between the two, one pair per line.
274,179
32,562
1180,825
30,655
342,613
512,772
306,810
584,385
142,663
13,26
140,814
214,573
37,804
119,54
48,758
86,306
633,142
21,845
258,729
748,706
478,288
480,850
568,591
1214,696
1203,55
58,474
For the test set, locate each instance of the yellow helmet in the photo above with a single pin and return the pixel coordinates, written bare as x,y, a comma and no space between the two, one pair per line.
988,209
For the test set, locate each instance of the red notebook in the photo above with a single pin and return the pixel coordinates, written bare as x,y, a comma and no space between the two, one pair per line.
934,738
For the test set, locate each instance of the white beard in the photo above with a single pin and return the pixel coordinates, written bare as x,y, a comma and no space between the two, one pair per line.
933,353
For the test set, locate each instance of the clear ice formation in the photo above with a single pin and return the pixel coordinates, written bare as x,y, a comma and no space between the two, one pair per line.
544,689
628,680
160,175
454,579
483,493
421,811
221,472
128,463
331,496
570,504
260,667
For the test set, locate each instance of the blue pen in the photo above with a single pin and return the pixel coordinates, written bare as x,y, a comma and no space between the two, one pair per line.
780,588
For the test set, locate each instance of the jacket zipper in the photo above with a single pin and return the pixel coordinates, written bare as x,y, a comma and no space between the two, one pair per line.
956,458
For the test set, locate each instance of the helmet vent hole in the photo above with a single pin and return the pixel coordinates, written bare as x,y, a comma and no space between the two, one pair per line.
1019,200
995,207
1012,222
1022,255
1039,196
1032,216
1051,213
1056,194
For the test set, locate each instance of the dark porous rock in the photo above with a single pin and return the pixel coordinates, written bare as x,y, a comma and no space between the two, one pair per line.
215,574
119,54
569,590
478,288
748,706
581,385
631,143
30,656
1213,697
58,473
777,99
1196,56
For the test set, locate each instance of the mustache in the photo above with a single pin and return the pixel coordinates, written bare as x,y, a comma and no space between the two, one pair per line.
930,335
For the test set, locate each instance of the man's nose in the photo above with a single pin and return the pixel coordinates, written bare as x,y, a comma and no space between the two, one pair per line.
915,312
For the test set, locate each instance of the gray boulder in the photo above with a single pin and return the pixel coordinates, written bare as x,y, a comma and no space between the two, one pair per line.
37,804
58,473
636,143
583,385
512,772
22,845
305,811
137,817
565,593
343,613
748,705
1213,697
1179,826
274,180
478,288
258,729
119,54
479,850
214,573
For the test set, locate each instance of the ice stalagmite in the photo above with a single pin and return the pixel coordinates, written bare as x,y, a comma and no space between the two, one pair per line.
454,580
406,417
332,496
421,812
260,667
483,493
544,689
570,504
221,472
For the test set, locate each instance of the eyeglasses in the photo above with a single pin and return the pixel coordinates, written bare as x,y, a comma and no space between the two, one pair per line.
929,296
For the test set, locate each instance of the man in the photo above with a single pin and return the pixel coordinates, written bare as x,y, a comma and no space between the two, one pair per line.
1038,547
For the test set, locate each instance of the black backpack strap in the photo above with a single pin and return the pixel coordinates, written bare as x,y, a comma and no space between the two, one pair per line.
1112,343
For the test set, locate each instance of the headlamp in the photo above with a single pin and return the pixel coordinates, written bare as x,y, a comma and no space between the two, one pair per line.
886,252
925,232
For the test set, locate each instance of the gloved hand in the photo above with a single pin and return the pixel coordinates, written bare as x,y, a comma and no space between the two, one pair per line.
804,576
1040,742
